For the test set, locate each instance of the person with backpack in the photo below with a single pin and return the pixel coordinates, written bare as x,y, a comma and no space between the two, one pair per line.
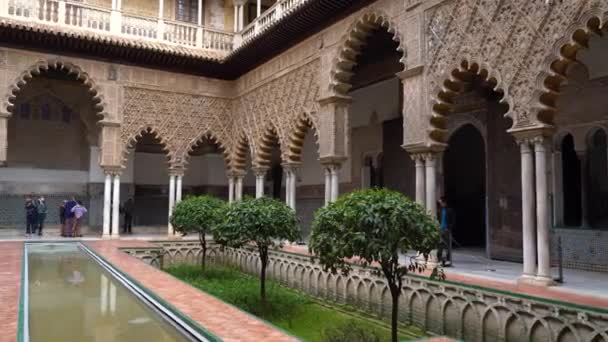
78,211
42,210
31,217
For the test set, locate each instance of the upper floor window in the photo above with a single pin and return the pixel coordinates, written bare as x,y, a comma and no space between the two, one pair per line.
186,10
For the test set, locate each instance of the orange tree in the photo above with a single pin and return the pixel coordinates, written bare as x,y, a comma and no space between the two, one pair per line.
374,225
198,214
262,222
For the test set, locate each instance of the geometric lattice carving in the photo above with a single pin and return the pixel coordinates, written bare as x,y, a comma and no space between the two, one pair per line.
178,120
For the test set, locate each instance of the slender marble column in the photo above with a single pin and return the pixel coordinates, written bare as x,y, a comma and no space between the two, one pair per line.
290,186
327,185
107,205
582,157
259,8
230,189
236,18
528,209
172,181
431,184
260,177
178,188
3,136
335,183
239,188
543,275
420,181
116,206
241,16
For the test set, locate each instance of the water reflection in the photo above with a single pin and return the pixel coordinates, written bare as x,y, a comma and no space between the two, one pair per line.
71,298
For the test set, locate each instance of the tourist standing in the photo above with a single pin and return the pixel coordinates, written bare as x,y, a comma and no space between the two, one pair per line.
42,210
446,223
31,217
78,210
62,216
127,210
69,216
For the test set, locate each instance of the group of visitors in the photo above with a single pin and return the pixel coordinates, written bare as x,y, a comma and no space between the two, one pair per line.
35,215
71,213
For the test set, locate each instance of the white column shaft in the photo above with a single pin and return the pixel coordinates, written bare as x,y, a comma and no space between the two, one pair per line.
259,8
431,185
335,184
199,19
542,212
420,182
231,189
239,188
178,189
116,206
107,205
528,209
161,9
172,181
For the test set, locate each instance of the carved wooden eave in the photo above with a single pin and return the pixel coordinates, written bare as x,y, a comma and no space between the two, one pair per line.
302,22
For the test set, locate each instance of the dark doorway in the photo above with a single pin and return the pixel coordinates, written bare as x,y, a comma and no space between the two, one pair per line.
571,183
465,186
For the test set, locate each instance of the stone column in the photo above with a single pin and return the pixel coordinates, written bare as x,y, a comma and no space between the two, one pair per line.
260,178
178,188
528,210
172,181
3,138
161,22
431,184
335,182
420,180
327,185
236,17
290,185
582,157
558,189
116,206
259,8
238,187
543,274
230,189
107,204
241,16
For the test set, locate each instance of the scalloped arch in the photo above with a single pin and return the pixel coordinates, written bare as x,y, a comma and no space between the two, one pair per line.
451,83
303,125
562,54
57,63
263,151
352,44
240,149
209,136
133,140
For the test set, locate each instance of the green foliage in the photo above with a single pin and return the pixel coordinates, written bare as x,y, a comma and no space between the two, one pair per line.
297,313
374,225
197,214
260,220
349,332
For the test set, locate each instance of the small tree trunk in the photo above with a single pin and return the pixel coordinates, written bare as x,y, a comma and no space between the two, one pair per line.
201,237
395,311
264,261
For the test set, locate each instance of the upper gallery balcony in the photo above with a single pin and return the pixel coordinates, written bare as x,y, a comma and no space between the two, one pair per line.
212,27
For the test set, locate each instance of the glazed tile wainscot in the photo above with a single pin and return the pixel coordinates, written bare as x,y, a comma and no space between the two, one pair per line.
458,310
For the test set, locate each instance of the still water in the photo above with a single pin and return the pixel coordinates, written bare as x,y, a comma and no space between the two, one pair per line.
72,298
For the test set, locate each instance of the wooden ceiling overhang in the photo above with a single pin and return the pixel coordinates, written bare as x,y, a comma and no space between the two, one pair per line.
302,22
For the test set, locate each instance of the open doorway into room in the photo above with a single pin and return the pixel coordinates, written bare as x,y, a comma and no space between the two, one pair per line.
464,165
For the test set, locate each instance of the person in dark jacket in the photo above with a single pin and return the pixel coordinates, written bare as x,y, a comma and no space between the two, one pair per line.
42,210
62,217
69,216
31,217
446,223
127,210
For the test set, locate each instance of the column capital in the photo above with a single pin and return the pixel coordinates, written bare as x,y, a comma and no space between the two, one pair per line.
240,2
532,135
260,171
236,174
112,171
332,161
335,99
291,166
5,115
176,172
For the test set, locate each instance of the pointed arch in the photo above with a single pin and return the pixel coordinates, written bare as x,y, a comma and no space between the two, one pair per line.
352,44
99,103
453,84
264,145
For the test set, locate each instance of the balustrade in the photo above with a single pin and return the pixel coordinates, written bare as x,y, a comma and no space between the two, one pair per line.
139,26
180,33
